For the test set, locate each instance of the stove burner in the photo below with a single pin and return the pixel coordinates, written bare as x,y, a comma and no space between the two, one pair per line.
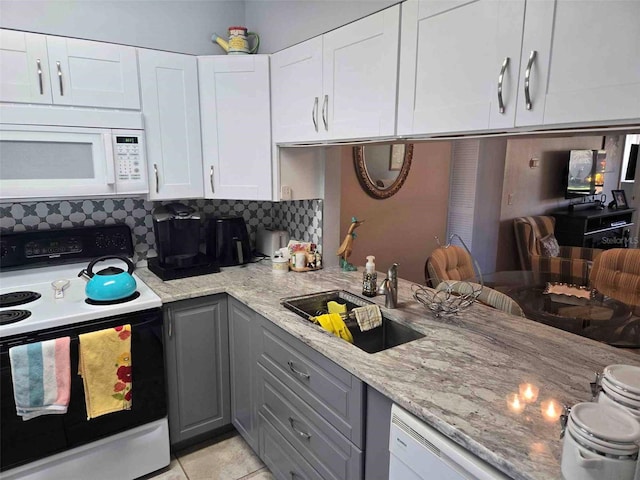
131,297
12,316
12,299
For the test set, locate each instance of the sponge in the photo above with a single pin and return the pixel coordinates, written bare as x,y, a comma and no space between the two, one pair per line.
335,307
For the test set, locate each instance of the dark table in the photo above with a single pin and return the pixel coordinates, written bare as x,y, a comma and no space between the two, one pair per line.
599,318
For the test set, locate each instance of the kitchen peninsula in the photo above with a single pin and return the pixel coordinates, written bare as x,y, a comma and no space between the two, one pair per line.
456,378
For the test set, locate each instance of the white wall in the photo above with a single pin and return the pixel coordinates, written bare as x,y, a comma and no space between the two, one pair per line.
183,26
282,23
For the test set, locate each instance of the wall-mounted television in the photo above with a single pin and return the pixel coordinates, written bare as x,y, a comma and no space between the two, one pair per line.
585,173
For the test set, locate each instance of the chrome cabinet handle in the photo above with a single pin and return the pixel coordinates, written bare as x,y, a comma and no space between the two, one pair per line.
325,104
527,76
170,328
304,435
505,63
306,376
213,190
60,78
155,169
314,114
38,64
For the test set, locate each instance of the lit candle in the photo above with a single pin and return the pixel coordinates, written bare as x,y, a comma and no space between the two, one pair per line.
551,410
528,392
514,403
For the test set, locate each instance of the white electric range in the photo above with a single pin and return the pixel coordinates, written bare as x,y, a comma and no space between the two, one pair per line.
126,444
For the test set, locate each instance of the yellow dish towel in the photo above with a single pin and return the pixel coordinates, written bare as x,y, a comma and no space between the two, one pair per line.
105,367
332,323
335,307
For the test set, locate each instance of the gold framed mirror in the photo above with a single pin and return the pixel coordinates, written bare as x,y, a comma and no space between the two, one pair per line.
382,169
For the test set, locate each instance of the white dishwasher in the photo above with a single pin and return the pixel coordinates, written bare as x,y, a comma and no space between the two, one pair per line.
419,452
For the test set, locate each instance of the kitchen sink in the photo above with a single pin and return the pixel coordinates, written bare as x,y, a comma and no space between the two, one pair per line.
389,334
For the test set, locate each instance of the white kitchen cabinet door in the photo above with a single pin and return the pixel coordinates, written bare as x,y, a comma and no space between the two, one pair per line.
587,63
171,109
93,74
359,75
296,92
451,58
236,126
24,68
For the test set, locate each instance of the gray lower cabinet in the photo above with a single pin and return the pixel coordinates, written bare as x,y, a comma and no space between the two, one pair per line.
377,439
197,362
311,406
243,328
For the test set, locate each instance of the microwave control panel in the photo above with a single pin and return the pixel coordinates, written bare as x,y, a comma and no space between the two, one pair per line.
130,162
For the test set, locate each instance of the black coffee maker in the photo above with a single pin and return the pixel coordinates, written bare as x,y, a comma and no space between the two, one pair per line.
177,230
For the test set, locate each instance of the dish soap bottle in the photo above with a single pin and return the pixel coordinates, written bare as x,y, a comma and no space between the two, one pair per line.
370,278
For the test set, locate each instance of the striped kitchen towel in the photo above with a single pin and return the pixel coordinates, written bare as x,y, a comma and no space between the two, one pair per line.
41,375
368,317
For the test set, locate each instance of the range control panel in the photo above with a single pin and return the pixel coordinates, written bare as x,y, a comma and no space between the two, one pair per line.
45,247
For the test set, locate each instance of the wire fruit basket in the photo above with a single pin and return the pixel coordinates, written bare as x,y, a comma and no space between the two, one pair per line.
450,297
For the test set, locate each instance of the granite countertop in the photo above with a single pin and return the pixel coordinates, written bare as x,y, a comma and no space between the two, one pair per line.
456,378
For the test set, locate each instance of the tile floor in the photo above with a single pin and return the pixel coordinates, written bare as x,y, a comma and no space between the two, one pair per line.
224,458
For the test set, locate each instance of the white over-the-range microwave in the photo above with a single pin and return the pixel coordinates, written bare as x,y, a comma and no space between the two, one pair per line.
59,161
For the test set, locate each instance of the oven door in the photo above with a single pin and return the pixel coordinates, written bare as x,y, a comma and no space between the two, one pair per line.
27,441
44,161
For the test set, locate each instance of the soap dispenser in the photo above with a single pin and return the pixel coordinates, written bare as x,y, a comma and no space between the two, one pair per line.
370,278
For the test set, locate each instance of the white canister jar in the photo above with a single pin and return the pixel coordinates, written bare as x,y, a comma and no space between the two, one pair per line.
279,264
613,399
599,443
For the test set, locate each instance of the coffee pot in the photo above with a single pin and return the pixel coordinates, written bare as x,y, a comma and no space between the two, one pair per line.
238,43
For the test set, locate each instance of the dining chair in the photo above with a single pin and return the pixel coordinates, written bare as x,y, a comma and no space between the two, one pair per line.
448,263
488,296
616,274
538,249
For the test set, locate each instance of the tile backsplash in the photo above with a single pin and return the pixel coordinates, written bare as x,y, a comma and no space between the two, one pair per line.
301,218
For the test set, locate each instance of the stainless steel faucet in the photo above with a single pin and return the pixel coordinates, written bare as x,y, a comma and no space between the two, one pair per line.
389,287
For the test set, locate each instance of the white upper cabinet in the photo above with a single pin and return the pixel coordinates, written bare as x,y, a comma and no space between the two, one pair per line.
24,68
65,71
236,126
586,65
296,89
93,74
359,77
459,64
486,65
340,85
171,109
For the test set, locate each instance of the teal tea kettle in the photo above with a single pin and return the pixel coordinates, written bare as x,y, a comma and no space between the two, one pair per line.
111,283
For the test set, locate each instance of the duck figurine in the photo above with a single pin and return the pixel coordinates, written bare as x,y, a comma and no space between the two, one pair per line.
344,252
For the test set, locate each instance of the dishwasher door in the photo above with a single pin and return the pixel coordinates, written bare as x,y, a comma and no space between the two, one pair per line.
419,452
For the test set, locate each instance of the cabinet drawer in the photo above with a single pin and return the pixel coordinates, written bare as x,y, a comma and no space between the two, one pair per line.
281,458
330,390
326,449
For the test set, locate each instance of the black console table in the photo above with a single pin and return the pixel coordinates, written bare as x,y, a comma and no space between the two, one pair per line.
593,228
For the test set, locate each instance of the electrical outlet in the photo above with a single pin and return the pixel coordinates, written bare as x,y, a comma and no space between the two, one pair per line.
285,192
